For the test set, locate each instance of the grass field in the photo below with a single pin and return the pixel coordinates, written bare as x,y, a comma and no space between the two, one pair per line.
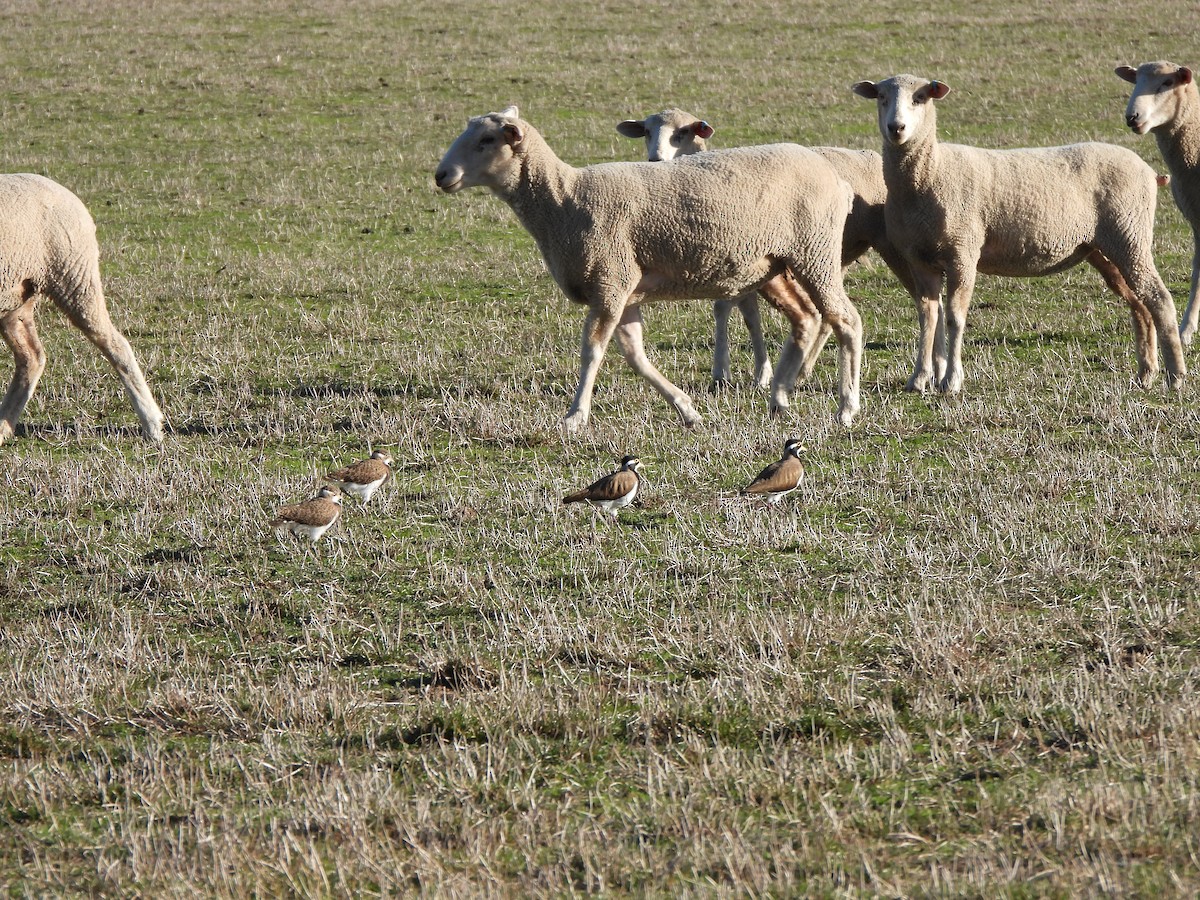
963,660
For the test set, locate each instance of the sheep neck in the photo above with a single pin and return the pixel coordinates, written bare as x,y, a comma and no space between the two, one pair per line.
1179,139
912,166
542,182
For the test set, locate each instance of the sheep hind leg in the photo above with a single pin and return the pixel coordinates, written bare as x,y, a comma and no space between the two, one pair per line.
838,312
1144,337
801,360
89,314
806,324
20,333
630,340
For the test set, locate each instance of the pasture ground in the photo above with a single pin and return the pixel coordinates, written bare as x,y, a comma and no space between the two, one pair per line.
963,660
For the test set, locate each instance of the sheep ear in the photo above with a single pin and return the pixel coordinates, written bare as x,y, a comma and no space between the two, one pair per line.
510,112
938,90
1129,73
512,133
866,89
632,128
702,129
1184,75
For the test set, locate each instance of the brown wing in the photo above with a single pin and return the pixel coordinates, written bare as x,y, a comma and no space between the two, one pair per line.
610,487
781,475
317,511
362,472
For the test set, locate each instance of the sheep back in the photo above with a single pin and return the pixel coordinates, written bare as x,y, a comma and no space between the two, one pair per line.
47,238
709,225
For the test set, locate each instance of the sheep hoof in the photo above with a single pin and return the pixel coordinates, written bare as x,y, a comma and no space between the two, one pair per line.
951,384
1185,336
762,380
718,385
574,423
917,385
688,417
846,416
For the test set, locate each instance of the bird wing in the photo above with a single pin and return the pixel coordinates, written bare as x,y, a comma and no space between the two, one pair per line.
318,511
364,471
781,475
610,487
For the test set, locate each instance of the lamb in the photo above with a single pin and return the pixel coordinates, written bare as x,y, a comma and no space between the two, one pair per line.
1166,102
956,211
710,225
48,248
673,133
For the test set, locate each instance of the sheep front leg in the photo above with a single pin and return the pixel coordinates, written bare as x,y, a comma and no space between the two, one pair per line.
748,306
722,309
1188,329
630,340
598,328
960,284
930,333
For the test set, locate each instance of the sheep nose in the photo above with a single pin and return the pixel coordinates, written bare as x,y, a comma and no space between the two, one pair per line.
1132,120
895,129
439,176
655,158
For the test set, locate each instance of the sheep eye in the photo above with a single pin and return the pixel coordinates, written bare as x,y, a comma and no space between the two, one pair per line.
487,140
1165,86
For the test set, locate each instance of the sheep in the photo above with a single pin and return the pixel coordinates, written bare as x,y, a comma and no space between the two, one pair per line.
710,225
673,133
1166,102
48,248
956,211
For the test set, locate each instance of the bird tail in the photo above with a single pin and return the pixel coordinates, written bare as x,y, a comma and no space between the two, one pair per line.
577,497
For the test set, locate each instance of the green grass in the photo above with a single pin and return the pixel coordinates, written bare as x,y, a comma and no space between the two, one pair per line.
961,660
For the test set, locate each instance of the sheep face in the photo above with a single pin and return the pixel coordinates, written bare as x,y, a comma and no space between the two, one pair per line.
905,103
483,154
1157,93
669,134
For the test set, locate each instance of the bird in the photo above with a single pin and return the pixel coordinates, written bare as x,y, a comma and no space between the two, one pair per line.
781,477
614,491
313,517
363,478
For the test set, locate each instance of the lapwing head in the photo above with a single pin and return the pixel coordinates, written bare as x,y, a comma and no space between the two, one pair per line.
383,456
330,493
793,447
631,463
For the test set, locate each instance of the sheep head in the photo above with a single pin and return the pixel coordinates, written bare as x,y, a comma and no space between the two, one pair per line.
484,154
1158,91
669,134
905,105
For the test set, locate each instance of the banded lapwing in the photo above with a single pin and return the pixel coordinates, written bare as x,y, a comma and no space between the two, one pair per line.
781,477
313,517
613,492
363,478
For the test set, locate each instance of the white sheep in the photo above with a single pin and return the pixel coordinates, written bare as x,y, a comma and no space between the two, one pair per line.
957,210
49,248
1166,102
673,133
709,225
